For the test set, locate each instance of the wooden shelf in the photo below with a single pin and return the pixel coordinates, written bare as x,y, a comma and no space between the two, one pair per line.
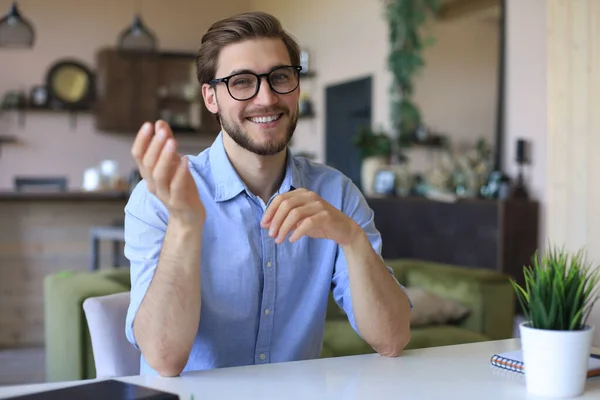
7,139
46,109
4,139
130,89
64,196
309,74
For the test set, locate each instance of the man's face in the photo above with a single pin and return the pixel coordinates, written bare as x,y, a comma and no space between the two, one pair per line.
265,123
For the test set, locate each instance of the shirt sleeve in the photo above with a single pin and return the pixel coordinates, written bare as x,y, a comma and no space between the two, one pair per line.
145,227
356,207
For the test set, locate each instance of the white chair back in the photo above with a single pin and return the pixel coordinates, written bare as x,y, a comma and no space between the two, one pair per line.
113,354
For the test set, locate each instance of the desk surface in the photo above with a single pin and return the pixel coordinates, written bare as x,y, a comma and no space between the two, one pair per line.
457,372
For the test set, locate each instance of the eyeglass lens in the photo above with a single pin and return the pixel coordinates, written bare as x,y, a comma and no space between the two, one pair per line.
245,86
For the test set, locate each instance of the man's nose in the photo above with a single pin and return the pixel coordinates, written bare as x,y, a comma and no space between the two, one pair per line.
265,95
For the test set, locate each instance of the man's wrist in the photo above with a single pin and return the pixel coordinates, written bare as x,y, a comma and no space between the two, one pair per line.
356,239
186,226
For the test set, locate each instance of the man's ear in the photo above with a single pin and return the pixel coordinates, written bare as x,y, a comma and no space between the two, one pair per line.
210,98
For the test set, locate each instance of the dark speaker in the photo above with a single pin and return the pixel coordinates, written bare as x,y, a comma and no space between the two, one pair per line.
522,152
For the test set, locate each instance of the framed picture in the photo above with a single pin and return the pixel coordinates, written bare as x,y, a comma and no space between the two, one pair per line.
385,182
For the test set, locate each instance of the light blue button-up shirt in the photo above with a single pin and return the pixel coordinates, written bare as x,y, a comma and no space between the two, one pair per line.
261,302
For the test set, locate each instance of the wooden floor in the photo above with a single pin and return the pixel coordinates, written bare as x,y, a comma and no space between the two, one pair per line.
22,366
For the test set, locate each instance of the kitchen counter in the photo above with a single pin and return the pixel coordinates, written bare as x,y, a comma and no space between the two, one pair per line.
43,233
7,195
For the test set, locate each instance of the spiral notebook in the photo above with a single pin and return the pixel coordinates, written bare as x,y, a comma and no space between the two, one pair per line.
513,361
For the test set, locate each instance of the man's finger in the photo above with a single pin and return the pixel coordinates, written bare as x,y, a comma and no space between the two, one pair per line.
141,142
165,168
284,208
153,151
295,218
274,206
307,225
179,181
160,124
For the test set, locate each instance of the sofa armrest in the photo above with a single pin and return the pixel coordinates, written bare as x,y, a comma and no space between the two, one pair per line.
67,339
488,294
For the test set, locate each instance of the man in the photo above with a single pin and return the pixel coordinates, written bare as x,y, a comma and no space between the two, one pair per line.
233,252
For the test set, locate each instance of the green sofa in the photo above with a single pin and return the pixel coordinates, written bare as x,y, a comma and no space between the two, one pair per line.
488,295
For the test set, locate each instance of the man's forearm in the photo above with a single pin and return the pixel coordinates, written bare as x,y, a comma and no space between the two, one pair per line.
381,308
167,321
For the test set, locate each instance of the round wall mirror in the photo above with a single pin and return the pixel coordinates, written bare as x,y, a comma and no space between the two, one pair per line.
70,84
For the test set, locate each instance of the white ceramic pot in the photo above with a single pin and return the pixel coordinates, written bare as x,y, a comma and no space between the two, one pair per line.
555,362
370,166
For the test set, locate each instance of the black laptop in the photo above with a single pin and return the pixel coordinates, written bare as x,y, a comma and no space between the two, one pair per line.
109,389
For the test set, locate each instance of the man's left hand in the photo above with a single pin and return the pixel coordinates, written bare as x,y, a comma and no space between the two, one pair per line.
306,213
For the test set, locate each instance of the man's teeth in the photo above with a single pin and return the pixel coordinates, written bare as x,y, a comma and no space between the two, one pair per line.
265,120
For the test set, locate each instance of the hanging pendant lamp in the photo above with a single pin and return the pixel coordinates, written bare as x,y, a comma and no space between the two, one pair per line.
16,31
137,37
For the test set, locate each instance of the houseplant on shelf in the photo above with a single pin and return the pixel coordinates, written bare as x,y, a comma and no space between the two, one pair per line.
375,148
406,20
560,291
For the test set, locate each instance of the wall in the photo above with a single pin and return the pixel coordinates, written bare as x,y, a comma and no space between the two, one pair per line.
348,39
74,28
553,95
526,93
457,88
573,193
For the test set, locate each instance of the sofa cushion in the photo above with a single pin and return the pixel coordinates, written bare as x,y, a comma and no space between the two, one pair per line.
442,335
431,309
341,340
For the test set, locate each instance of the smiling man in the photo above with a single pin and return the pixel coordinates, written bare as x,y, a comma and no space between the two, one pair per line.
234,252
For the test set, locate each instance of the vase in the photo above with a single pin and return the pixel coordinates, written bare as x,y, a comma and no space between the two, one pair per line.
555,362
369,168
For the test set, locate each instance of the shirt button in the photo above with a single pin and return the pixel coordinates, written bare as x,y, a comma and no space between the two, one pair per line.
267,311
269,264
262,356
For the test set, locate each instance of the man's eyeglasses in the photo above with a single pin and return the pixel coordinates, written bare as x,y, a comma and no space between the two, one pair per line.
245,85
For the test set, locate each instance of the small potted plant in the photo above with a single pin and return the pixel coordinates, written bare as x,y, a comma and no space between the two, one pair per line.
375,148
560,291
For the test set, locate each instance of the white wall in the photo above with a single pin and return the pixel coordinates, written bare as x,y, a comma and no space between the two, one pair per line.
348,39
457,89
573,192
74,28
526,94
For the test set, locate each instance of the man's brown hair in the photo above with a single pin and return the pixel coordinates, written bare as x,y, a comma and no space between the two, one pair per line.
245,26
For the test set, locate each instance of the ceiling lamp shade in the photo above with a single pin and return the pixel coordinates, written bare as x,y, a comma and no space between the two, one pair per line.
137,37
15,31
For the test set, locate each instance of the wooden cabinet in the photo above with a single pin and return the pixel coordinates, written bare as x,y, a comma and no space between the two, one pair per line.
133,88
497,235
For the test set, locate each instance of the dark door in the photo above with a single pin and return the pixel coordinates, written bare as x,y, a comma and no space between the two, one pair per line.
348,108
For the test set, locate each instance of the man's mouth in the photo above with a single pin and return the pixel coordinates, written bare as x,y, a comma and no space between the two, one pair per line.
265,119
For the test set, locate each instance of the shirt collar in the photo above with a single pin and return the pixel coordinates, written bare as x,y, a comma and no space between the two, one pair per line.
228,183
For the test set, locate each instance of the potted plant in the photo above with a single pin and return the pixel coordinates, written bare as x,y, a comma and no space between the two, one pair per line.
560,291
375,148
406,21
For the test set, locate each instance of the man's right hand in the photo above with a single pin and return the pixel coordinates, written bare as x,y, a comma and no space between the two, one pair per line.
167,174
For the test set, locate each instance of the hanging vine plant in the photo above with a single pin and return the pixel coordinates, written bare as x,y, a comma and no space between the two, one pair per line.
406,19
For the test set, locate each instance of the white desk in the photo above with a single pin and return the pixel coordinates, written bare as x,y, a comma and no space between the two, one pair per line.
452,372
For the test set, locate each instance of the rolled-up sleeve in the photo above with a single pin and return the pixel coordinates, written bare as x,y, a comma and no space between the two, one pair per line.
145,226
357,208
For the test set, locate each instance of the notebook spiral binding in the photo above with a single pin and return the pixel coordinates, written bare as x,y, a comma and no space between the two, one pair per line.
507,363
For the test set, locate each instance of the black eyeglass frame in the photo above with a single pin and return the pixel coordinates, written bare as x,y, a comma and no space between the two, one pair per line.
259,77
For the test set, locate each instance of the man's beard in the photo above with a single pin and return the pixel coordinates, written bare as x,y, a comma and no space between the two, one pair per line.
272,147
